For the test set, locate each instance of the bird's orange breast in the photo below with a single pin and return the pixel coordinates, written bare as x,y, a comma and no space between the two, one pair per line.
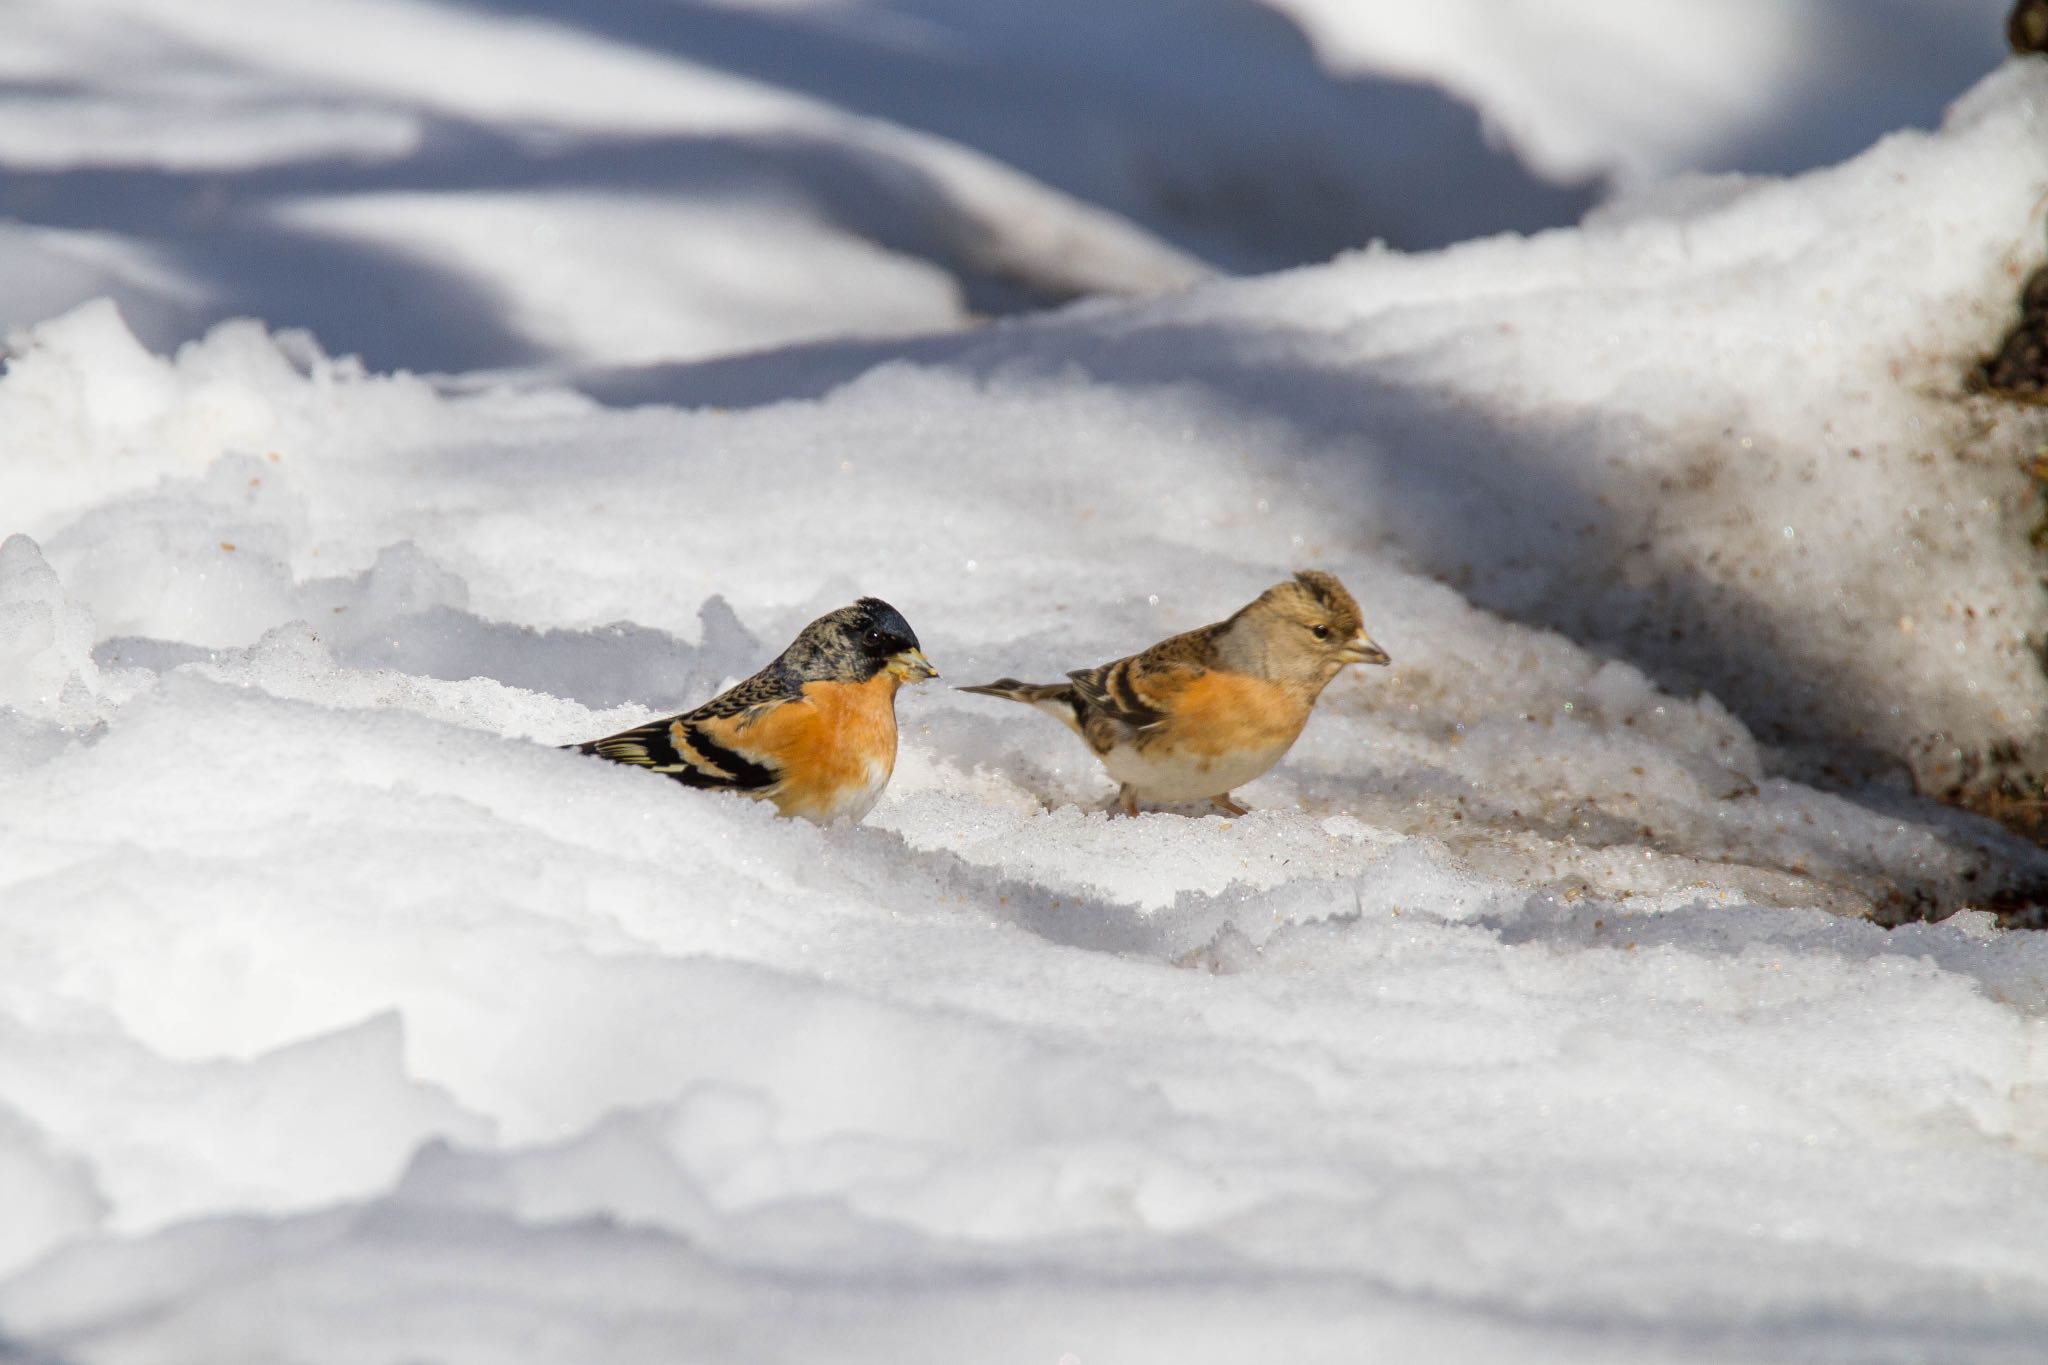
1225,713
836,748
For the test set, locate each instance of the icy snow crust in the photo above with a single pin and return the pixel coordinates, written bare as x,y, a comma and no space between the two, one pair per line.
1529,1017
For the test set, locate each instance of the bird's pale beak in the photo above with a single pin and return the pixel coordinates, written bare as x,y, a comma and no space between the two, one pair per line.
1360,649
911,666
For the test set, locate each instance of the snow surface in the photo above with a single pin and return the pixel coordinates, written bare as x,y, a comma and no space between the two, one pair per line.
1534,1013
446,187
1658,86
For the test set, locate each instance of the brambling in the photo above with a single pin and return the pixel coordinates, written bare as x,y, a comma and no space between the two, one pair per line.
1200,713
814,732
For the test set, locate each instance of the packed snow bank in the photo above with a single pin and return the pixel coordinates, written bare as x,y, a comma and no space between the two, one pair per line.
626,280
344,1018
771,1086
1657,87
321,166
441,186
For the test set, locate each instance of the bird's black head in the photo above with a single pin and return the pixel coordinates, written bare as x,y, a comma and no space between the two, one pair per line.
879,630
854,644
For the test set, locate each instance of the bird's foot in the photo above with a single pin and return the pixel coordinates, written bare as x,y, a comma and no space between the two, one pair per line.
1228,806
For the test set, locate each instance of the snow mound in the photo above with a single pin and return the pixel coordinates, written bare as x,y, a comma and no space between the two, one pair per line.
1658,87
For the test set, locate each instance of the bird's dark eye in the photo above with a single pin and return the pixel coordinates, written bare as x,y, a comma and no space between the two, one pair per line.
873,639
1320,632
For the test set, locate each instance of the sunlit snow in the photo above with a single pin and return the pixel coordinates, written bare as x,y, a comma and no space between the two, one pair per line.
1540,1010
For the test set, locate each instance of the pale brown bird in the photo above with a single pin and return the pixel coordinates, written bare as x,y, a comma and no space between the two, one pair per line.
1201,713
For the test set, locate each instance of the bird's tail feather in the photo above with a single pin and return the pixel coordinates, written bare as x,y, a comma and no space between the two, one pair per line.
1058,700
1031,694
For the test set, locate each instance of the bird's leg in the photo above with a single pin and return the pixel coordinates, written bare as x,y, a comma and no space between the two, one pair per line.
1228,806
1127,800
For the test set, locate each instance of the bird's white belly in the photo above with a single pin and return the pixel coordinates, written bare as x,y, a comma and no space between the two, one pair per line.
852,800
1183,776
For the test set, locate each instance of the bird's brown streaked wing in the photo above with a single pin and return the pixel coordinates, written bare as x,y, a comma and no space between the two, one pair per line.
1137,692
688,752
766,688
1131,692
703,748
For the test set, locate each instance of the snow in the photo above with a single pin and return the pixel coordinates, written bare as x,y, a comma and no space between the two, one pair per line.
1641,91
606,278
1540,1010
